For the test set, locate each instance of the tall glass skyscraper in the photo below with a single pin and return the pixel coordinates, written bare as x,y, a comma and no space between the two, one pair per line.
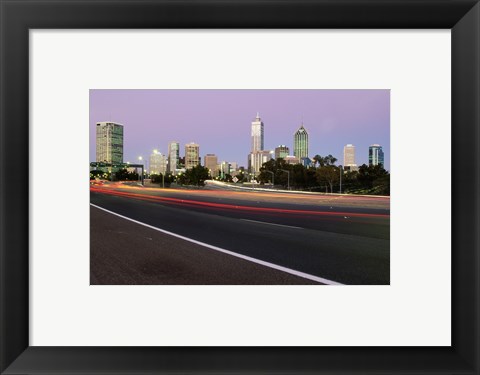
375,155
109,142
300,143
173,156
257,134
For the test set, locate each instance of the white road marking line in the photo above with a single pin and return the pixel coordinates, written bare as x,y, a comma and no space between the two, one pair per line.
278,225
219,249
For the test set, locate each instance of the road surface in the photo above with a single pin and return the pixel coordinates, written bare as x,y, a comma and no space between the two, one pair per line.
216,236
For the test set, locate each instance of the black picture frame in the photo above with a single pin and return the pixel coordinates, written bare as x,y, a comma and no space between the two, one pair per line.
18,16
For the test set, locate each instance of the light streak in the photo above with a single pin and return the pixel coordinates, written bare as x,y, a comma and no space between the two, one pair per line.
189,202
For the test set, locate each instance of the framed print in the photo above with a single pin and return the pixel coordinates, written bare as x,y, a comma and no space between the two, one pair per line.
236,150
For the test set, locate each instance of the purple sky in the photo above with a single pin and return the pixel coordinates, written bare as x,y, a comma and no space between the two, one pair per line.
220,120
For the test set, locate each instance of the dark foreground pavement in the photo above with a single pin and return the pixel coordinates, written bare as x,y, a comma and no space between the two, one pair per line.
123,252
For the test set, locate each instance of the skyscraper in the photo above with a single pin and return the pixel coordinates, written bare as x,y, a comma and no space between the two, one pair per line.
192,154
257,155
224,168
349,155
256,160
281,151
109,142
173,156
210,161
158,163
300,143
257,134
375,155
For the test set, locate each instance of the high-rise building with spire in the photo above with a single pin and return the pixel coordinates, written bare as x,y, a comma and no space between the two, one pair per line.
300,143
258,155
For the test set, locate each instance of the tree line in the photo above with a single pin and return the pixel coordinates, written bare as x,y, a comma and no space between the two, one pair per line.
324,175
120,175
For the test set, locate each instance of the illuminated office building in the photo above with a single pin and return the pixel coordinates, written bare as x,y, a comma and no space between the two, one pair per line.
109,142
192,155
375,155
300,143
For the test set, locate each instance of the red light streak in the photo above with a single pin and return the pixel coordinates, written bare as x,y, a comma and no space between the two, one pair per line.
190,202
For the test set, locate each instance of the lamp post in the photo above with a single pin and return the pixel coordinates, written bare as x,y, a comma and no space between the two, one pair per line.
341,168
288,180
273,177
141,176
163,174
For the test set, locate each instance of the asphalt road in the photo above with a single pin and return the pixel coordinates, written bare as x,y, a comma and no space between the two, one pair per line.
123,252
340,239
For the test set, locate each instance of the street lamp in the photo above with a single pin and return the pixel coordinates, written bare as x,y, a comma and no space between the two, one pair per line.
141,177
163,175
156,163
341,169
273,178
288,181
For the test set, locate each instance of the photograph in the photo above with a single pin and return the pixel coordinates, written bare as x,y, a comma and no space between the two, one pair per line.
239,186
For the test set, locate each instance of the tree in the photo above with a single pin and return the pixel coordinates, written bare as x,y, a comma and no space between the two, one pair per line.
276,166
324,160
125,175
311,178
350,181
194,176
227,178
368,174
157,178
317,160
298,176
381,185
242,175
99,174
328,175
330,160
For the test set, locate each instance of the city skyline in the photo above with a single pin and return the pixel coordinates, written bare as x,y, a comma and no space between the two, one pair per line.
220,120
